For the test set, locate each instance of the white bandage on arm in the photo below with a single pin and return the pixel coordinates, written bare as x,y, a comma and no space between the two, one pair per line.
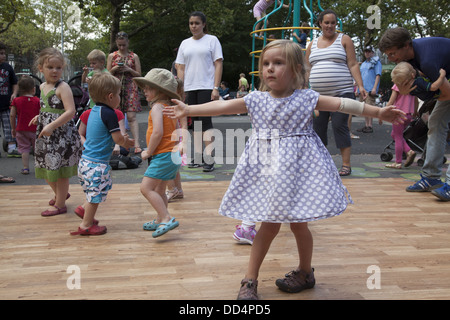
351,106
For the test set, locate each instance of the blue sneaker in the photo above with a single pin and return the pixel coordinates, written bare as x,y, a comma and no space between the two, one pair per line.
425,184
443,192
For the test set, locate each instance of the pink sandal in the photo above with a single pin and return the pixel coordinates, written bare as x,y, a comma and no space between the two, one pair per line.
53,201
93,230
49,213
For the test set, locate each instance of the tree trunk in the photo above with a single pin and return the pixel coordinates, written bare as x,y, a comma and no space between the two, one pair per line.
115,23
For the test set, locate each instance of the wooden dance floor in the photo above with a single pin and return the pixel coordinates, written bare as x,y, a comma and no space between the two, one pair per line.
389,245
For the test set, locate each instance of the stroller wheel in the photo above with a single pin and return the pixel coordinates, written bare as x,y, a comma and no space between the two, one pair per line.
420,162
386,156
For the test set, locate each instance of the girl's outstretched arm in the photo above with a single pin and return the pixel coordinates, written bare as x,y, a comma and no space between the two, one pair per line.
213,108
350,106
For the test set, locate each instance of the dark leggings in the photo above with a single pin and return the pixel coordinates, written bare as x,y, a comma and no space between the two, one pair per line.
199,97
339,123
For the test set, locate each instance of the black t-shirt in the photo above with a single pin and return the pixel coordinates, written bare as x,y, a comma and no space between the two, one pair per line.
7,80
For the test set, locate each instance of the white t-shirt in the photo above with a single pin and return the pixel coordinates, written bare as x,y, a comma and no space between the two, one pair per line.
198,57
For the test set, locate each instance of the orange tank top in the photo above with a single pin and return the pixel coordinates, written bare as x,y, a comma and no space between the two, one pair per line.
169,127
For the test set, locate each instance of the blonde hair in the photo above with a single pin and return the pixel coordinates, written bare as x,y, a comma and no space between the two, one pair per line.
294,57
403,71
97,55
102,84
47,54
160,96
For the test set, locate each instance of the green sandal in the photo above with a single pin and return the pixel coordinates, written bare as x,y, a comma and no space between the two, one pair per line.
151,226
165,227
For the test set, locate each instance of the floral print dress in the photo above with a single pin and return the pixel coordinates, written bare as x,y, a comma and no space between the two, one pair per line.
56,156
129,95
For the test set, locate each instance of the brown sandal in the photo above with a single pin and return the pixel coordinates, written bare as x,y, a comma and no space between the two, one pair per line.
345,171
410,156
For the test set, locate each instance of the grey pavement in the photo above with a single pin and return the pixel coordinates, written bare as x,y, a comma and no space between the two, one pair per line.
366,151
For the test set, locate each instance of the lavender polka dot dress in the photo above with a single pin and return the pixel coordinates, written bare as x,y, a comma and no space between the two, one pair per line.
285,173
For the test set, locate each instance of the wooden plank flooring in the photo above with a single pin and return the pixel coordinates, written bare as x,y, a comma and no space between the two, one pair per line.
405,235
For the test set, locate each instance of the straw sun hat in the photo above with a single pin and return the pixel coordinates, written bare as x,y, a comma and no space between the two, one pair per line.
160,79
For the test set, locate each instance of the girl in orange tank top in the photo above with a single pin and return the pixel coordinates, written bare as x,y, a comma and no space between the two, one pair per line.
159,86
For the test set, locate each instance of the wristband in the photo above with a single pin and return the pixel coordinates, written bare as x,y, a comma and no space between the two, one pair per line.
351,106
216,88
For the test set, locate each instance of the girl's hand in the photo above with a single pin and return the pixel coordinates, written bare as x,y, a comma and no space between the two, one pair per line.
177,111
406,87
145,154
392,115
129,143
34,121
46,131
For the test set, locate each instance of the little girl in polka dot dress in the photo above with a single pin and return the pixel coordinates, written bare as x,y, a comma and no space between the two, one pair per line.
285,174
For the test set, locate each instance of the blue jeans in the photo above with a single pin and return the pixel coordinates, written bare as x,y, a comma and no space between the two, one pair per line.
437,140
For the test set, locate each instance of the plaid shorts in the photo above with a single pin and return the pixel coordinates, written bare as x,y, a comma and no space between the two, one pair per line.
95,180
6,125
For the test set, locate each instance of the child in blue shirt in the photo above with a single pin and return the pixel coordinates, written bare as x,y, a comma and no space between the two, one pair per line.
102,133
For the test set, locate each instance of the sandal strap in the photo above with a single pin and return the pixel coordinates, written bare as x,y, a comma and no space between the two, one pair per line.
345,170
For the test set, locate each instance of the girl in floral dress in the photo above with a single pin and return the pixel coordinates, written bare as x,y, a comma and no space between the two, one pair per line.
58,144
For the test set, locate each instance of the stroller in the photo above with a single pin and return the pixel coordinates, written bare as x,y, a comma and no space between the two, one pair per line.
80,97
415,135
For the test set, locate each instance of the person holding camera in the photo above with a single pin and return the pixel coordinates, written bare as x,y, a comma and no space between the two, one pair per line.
125,65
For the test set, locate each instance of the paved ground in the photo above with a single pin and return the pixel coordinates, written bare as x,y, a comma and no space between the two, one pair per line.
366,162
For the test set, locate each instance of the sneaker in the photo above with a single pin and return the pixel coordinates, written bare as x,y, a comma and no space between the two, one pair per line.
195,165
296,281
443,192
248,290
360,129
425,184
244,235
367,130
208,167
14,154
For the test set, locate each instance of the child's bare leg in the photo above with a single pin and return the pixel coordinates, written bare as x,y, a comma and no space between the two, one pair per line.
161,190
52,185
154,191
261,244
26,160
89,213
178,181
304,245
62,188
